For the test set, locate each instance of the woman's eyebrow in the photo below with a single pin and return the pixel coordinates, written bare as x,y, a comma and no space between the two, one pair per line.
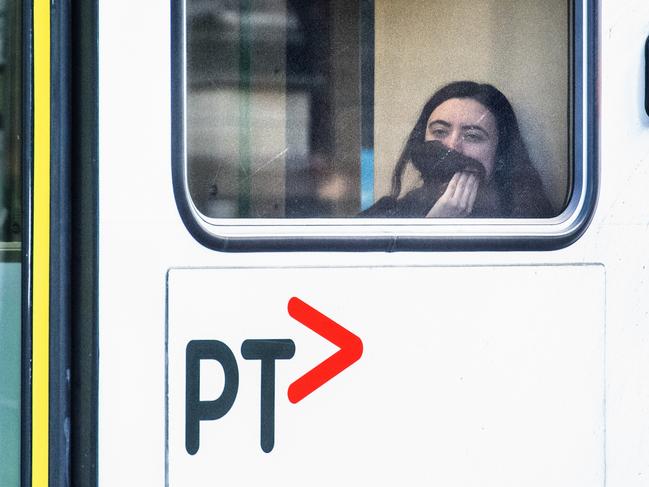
441,122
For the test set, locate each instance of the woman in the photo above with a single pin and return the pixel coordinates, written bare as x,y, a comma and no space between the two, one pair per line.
468,150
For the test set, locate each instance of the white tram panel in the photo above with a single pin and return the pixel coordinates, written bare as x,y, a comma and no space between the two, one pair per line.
141,236
484,376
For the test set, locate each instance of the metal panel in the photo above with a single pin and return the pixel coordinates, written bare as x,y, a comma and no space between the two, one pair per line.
469,376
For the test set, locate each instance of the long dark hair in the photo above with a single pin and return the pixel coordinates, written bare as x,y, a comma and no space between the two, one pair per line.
517,182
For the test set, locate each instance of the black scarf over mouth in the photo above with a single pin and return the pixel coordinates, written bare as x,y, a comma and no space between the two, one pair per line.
436,164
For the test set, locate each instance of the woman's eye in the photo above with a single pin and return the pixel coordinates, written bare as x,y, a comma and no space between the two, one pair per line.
474,137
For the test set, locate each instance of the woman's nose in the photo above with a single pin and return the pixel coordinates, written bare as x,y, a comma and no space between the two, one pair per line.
454,141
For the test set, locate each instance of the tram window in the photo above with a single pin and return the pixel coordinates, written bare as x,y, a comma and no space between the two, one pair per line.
305,109
10,241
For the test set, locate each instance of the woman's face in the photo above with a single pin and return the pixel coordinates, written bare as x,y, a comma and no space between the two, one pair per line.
467,126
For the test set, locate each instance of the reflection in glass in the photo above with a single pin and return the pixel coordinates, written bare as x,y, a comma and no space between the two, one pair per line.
273,107
303,108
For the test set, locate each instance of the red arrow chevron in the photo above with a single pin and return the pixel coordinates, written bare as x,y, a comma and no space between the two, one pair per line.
351,349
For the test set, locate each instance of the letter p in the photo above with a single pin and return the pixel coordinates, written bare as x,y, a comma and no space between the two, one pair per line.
195,409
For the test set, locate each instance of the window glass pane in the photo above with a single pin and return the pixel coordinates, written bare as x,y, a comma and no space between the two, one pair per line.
325,108
10,241
10,117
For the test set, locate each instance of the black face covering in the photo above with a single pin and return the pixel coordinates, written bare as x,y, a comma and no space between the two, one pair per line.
437,163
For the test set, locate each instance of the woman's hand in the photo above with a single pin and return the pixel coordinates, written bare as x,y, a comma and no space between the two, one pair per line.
459,197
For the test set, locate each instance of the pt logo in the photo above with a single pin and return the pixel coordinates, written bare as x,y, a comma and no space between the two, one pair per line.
266,351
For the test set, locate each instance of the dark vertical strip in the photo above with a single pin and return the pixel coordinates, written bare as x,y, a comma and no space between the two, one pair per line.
12,124
296,65
308,72
592,20
579,146
570,107
27,155
646,76
367,102
60,244
84,258
245,66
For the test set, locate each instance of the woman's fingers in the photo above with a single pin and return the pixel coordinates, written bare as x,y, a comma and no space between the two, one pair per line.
451,187
473,195
460,187
465,190
458,198
470,190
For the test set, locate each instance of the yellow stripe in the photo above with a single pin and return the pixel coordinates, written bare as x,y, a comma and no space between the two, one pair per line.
41,250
